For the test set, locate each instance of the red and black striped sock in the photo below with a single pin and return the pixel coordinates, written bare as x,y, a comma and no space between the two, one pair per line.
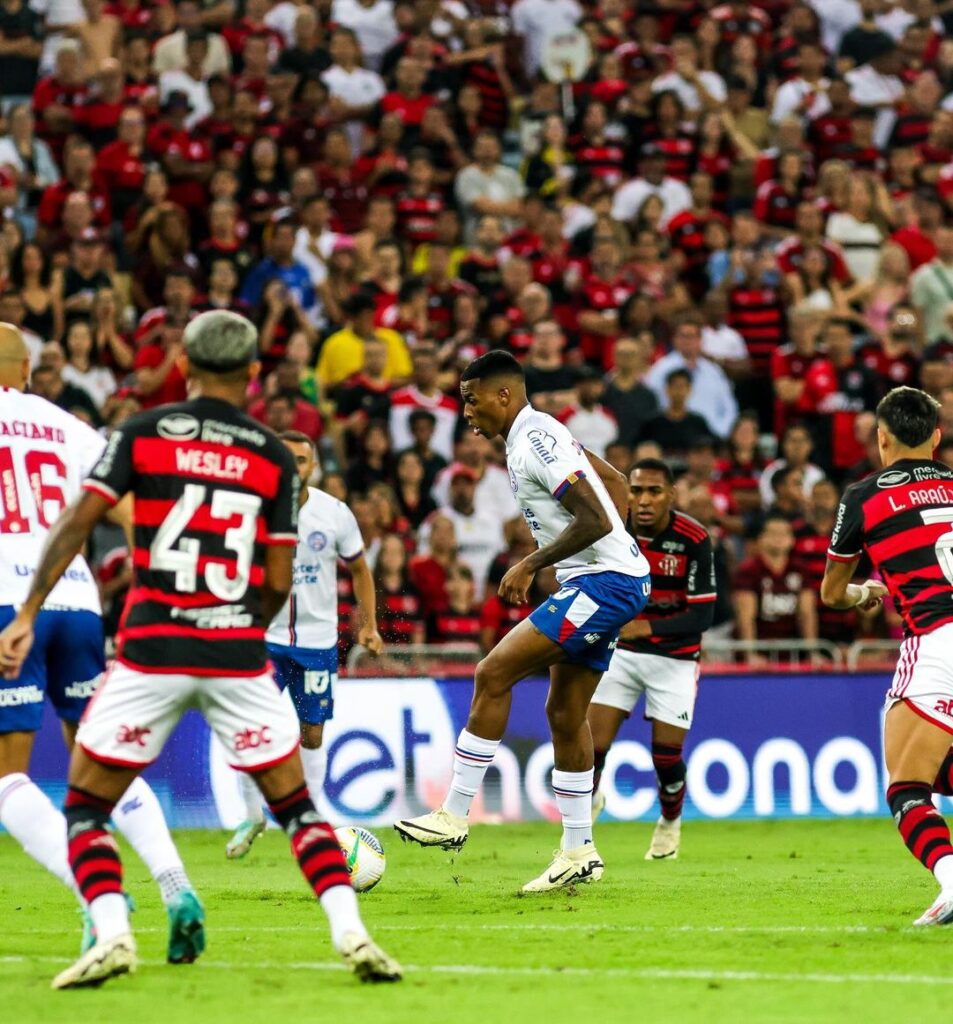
599,764
944,778
921,825
93,853
670,769
312,841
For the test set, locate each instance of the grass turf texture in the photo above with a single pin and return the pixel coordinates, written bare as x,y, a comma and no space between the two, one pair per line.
757,922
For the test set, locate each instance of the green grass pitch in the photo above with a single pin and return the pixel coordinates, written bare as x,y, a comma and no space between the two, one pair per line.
757,922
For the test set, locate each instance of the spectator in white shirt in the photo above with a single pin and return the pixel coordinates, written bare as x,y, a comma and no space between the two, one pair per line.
587,419
169,54
675,194
355,90
931,288
711,396
489,188
190,81
695,88
537,20
424,392
720,343
877,84
806,95
372,21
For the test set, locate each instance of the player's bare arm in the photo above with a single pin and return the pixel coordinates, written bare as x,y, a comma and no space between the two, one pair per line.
614,481
277,586
838,592
367,634
63,543
590,522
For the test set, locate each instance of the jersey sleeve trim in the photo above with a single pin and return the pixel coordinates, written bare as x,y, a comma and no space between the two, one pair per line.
702,597
836,557
103,490
354,557
282,539
573,478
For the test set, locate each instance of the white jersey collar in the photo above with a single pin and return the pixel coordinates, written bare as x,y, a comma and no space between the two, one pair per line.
518,425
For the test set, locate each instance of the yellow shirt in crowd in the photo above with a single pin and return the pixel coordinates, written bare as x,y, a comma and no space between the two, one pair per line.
342,354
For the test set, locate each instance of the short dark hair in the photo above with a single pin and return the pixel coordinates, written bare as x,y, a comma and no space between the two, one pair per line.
295,437
655,466
780,475
675,374
495,363
909,414
773,517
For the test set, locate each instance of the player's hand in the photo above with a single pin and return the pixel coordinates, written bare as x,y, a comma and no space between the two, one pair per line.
876,592
514,587
15,643
367,636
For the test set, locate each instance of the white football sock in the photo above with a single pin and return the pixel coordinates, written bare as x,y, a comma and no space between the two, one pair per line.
138,816
574,799
943,873
28,815
470,761
110,914
251,794
340,904
314,763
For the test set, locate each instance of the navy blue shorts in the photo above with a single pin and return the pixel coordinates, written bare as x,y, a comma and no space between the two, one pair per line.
310,676
65,664
585,615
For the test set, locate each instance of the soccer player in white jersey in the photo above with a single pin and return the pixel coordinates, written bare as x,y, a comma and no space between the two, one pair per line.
302,639
45,453
564,494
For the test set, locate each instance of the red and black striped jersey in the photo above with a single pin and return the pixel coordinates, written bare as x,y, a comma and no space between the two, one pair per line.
682,603
212,489
902,517
454,627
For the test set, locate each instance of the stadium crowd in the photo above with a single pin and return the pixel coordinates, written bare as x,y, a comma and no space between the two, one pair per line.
721,246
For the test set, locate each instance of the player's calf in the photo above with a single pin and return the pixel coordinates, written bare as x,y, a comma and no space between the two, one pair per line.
927,837
670,771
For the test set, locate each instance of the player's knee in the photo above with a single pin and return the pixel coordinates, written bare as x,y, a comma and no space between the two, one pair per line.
488,680
564,722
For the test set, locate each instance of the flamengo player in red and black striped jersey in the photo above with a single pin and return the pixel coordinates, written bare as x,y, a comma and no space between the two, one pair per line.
902,517
215,499
657,653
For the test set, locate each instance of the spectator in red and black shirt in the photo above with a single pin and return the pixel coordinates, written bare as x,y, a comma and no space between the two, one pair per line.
399,616
593,152
420,204
78,176
459,622
772,596
121,165
778,198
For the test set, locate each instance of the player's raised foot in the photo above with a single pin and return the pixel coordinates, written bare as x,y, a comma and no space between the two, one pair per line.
665,840
598,804
186,928
439,828
940,910
104,961
240,843
367,960
569,867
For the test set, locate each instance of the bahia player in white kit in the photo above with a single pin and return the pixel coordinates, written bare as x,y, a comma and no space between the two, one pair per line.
302,639
564,495
45,454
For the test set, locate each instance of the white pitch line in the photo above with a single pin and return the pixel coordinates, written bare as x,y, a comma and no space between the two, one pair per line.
574,926
625,973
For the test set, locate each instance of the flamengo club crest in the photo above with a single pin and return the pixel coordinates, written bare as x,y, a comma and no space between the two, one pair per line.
668,565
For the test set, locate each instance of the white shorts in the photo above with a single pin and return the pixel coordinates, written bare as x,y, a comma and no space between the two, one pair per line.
924,676
133,713
669,685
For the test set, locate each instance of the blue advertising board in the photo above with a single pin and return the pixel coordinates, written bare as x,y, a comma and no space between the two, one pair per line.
761,747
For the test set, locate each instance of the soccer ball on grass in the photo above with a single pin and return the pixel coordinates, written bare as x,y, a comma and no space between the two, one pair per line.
364,855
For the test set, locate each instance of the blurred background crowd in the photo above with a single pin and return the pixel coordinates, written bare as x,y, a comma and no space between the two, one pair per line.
721,245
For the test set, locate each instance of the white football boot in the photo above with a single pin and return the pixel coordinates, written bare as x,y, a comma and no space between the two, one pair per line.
939,912
569,867
367,960
439,828
240,843
665,840
105,960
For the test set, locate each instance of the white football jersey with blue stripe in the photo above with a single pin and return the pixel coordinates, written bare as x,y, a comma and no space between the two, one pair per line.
544,461
45,454
327,531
